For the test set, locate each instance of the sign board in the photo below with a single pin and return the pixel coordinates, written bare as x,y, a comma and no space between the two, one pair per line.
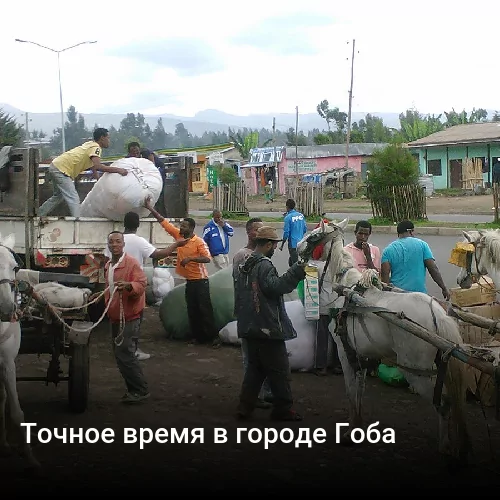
211,177
192,154
303,166
216,157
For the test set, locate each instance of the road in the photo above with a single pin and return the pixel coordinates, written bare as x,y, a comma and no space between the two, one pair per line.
464,218
441,247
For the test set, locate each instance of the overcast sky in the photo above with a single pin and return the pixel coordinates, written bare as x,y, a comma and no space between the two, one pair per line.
252,57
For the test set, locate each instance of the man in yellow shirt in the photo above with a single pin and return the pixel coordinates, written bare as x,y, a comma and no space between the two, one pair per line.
64,169
191,260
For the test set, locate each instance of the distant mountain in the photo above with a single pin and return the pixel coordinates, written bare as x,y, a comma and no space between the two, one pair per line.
209,120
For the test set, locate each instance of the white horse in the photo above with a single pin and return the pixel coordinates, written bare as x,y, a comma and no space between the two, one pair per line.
10,341
369,336
484,260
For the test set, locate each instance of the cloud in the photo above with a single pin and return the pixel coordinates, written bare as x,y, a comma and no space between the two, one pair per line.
284,35
187,56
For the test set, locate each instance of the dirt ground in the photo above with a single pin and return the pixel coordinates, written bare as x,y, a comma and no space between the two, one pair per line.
193,386
480,204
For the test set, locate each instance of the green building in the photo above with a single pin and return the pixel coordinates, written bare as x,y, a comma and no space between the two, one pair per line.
443,153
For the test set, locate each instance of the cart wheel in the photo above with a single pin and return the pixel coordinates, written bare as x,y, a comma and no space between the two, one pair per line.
79,380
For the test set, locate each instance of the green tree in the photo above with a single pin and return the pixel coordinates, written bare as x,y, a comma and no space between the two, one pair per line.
415,125
393,165
11,133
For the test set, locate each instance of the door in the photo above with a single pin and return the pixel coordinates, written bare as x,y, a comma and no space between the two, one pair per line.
455,177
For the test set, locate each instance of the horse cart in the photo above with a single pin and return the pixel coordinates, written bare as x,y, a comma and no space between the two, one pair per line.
46,329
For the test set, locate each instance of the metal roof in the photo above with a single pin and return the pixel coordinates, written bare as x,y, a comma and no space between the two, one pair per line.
326,150
469,133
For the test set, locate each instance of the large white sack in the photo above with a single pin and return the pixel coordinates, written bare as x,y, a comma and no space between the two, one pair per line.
163,282
300,349
62,296
113,195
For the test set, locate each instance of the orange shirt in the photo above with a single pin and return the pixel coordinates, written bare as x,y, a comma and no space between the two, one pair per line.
195,247
133,302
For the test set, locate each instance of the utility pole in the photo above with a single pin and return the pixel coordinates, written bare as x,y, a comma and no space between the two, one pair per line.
297,142
276,173
350,108
27,130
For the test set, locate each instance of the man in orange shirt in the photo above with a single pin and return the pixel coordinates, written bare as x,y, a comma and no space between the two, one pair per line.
191,260
125,277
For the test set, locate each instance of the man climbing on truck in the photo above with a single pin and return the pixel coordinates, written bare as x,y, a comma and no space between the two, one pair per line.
64,169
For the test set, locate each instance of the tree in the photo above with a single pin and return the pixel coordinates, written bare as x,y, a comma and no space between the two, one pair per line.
11,134
393,165
244,144
75,131
414,126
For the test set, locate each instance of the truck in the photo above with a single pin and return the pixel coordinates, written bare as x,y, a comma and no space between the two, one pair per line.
62,244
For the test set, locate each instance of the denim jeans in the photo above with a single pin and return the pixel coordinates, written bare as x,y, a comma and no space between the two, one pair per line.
265,391
64,190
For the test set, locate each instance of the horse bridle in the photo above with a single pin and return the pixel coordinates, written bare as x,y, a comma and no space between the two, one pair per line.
17,285
468,262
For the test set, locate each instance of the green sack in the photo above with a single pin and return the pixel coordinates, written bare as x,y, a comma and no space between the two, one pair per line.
300,291
391,375
173,309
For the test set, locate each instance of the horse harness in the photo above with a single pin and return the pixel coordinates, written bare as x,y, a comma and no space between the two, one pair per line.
359,363
17,286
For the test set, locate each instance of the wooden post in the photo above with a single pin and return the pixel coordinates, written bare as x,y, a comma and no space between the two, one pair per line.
495,201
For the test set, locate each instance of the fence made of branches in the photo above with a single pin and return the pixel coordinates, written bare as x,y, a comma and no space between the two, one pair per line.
231,197
308,196
398,203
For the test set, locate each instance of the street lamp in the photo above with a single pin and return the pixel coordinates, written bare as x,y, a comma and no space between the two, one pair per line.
59,72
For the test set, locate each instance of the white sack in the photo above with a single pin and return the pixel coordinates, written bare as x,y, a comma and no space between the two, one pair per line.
113,195
163,282
63,296
300,349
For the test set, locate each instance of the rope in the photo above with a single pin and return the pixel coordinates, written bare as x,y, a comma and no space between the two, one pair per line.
55,310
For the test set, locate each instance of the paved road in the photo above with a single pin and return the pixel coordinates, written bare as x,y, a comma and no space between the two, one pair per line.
440,245
474,218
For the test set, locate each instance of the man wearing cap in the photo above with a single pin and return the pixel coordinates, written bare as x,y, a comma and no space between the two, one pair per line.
262,320
406,260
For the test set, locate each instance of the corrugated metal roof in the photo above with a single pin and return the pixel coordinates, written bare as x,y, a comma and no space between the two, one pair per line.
325,150
461,134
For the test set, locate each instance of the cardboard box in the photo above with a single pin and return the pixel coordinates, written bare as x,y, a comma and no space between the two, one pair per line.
474,335
474,296
478,383
311,292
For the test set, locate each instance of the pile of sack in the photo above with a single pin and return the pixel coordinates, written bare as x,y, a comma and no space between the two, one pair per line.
160,283
300,349
114,195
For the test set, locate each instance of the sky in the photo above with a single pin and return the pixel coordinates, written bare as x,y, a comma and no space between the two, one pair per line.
259,57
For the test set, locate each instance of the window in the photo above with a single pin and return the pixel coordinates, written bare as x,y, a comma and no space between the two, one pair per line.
434,167
195,175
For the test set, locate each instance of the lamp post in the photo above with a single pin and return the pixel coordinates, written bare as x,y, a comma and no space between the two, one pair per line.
59,74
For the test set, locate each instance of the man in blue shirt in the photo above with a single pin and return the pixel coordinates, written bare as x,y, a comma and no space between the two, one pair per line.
406,261
216,235
293,230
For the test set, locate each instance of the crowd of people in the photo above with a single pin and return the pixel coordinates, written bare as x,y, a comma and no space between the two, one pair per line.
263,324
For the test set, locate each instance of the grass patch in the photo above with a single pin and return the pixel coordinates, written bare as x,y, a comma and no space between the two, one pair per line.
431,223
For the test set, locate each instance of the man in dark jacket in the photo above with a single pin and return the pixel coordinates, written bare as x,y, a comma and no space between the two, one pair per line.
262,320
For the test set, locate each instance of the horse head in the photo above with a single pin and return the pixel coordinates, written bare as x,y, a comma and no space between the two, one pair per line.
323,234
480,259
9,265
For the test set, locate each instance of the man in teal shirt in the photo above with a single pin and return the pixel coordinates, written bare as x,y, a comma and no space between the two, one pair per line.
405,262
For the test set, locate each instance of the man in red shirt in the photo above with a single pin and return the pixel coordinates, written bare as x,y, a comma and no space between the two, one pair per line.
125,277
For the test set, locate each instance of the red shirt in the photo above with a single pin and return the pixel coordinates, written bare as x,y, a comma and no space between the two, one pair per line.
133,302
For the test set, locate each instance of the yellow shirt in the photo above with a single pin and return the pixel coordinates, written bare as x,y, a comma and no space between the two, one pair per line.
76,160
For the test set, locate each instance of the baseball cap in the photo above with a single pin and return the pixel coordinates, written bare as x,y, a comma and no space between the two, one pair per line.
404,226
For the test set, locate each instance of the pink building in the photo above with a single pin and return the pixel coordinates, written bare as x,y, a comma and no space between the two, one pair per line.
310,160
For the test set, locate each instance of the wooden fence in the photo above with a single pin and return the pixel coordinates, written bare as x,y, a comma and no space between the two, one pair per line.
231,198
398,203
308,197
